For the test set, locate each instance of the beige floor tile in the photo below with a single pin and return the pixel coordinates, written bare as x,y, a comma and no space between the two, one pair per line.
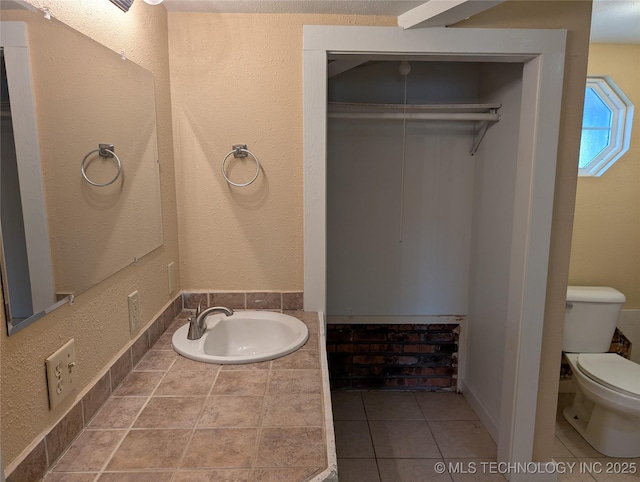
195,384
178,323
559,449
291,447
150,449
118,412
70,477
444,406
265,365
139,384
608,469
299,409
347,406
297,474
241,383
301,359
155,476
463,439
219,475
170,412
353,440
183,364
569,470
470,470
406,439
358,470
156,360
571,439
221,447
90,451
163,343
295,381
230,411
410,470
391,406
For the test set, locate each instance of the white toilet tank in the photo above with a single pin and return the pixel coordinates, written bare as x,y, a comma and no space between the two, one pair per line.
590,318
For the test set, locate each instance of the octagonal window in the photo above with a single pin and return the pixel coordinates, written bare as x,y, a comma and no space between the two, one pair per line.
606,126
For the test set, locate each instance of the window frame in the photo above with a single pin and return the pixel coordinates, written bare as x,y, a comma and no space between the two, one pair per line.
622,110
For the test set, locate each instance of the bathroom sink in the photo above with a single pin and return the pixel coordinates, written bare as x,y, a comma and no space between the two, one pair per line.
244,337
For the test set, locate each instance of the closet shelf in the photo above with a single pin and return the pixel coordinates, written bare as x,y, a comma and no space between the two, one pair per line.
464,112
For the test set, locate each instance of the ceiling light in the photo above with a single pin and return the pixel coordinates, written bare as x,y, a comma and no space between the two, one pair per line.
153,2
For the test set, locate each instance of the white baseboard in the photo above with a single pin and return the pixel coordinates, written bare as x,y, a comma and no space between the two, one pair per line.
482,413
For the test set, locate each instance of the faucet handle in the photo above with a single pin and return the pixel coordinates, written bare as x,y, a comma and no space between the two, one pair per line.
199,309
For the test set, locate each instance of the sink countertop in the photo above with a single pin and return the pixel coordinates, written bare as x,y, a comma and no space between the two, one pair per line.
175,419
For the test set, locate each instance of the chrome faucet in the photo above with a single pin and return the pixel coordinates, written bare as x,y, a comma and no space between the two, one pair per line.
197,326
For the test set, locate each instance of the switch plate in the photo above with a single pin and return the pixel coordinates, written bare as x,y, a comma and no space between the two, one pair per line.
61,373
171,274
134,312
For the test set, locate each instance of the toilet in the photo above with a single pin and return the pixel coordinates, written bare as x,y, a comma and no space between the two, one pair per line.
606,406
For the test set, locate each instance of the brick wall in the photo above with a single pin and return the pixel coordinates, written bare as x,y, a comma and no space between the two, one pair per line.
406,357
620,344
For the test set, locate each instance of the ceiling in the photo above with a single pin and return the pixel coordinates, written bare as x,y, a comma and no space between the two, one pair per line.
614,21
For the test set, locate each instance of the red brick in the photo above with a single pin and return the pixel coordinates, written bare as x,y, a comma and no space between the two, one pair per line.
449,371
439,337
361,348
331,348
407,360
401,382
419,348
368,360
345,347
435,382
370,336
418,371
385,348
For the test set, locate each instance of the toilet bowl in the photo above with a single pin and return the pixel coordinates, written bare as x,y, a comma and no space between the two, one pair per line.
606,406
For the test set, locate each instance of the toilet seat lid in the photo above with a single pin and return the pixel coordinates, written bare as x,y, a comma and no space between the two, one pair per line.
612,371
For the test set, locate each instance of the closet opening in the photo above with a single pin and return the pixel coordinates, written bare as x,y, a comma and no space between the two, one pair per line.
435,235
405,178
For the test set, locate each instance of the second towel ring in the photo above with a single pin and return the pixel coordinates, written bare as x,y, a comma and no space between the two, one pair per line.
240,151
105,150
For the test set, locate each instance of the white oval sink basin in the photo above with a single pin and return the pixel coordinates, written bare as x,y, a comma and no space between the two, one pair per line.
244,337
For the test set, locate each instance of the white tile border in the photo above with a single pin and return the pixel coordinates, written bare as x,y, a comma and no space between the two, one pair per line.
331,472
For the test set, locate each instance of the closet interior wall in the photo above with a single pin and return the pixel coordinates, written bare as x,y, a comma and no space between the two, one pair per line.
432,237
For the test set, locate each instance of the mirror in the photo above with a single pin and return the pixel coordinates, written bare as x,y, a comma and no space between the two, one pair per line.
65,230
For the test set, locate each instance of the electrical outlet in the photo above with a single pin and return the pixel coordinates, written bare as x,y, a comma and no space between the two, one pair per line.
61,373
171,274
134,312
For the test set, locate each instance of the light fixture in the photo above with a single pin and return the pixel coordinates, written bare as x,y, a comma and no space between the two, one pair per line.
153,2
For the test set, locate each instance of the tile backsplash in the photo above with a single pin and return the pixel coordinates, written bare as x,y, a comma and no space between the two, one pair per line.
251,300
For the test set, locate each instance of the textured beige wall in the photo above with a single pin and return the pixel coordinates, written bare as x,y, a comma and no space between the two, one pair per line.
606,230
98,320
237,78
575,16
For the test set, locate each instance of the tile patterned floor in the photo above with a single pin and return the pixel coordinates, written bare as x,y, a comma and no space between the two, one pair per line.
401,436
173,419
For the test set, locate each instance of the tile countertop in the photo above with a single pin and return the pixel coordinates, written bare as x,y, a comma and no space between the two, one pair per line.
175,419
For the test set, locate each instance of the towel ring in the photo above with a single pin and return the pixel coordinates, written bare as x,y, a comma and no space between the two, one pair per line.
240,151
105,150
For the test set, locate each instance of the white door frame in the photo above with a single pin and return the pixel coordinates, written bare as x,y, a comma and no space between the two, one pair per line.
542,54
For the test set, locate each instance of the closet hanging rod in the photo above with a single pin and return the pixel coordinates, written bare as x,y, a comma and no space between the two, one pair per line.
445,116
463,112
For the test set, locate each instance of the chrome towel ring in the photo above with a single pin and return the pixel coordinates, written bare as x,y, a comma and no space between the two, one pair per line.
240,151
104,150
